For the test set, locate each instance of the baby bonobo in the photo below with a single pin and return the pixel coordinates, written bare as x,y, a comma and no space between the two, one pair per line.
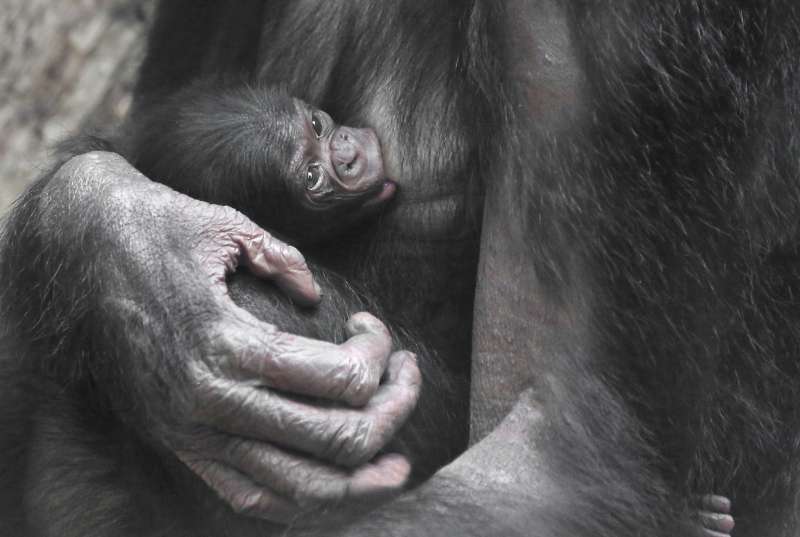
285,164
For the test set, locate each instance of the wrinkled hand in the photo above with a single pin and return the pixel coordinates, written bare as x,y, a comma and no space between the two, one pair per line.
223,390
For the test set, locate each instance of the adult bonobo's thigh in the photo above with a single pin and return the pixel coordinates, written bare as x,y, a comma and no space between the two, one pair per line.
655,213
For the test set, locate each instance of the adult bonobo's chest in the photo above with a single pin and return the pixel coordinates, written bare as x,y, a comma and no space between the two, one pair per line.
402,68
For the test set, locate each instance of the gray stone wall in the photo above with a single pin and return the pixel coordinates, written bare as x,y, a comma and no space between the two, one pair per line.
63,63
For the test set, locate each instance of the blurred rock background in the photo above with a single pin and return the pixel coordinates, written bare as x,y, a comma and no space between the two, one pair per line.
63,64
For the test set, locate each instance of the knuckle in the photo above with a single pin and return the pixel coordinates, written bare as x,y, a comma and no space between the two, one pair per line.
293,255
221,336
237,337
290,257
248,503
365,317
407,355
213,353
255,242
229,227
412,371
226,337
366,322
238,450
217,402
360,383
351,444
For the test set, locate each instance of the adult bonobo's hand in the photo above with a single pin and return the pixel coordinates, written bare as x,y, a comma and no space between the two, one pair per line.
207,380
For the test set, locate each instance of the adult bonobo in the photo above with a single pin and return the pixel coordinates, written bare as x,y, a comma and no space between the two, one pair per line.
635,294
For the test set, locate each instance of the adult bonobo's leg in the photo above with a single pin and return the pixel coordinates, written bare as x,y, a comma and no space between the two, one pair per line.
657,376
114,289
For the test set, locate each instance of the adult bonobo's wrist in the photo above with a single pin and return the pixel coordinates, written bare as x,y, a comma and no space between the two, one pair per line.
84,182
255,412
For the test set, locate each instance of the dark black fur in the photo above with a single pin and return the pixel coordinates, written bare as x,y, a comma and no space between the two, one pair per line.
225,143
683,211
666,214
64,442
233,144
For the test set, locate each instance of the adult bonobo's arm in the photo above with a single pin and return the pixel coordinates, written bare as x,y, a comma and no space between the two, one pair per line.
496,489
118,284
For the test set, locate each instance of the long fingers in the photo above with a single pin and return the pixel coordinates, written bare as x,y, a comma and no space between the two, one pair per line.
263,481
240,492
230,239
350,372
309,483
347,437
267,257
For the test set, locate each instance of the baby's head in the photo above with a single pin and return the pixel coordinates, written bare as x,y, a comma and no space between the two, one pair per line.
319,177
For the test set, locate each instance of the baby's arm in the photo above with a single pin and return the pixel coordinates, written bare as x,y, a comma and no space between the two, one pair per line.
207,140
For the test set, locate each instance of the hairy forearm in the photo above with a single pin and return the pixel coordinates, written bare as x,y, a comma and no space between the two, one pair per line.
117,286
69,259
49,247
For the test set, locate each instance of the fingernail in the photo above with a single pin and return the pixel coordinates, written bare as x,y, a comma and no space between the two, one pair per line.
318,289
721,504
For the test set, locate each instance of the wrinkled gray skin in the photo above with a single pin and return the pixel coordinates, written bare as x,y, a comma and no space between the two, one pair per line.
227,421
225,428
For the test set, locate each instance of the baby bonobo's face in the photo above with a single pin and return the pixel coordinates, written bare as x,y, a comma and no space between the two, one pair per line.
336,165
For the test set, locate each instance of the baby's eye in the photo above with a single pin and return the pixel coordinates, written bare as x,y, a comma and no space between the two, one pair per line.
317,124
315,177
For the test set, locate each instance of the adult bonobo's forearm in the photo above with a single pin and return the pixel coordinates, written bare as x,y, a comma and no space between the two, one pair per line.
76,238
130,278
47,262
496,489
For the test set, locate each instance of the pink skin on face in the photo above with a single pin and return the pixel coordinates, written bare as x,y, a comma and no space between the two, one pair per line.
350,157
